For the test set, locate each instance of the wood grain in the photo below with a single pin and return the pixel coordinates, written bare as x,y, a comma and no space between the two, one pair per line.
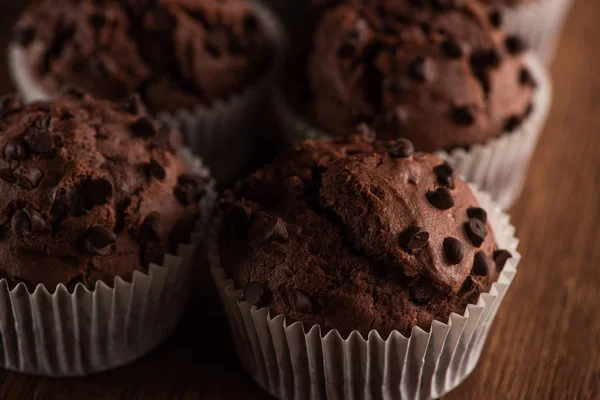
545,341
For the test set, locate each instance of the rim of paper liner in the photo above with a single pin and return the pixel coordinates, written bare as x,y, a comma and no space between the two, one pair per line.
61,334
438,349
510,149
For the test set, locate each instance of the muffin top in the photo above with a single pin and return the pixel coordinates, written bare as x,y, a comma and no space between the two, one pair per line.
442,76
175,53
90,189
358,235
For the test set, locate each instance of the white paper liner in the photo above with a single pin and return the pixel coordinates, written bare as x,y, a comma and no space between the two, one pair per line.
498,167
224,133
540,23
62,334
291,364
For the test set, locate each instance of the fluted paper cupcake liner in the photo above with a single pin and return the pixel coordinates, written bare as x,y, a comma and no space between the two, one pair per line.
224,133
63,334
498,167
289,363
540,23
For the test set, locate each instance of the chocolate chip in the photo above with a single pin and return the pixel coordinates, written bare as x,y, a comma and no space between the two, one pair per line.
485,58
28,177
421,69
346,50
477,213
25,35
189,189
500,258
514,44
496,18
97,20
39,141
238,216
7,175
97,240
256,294
276,231
413,238
445,175
453,250
402,148
155,170
149,228
512,123
463,115
98,192
481,264
367,132
15,150
441,198
302,303
468,286
143,127
43,124
476,231
134,105
20,223
452,49
525,78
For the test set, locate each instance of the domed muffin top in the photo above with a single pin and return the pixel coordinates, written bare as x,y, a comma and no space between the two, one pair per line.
354,234
90,189
442,74
175,53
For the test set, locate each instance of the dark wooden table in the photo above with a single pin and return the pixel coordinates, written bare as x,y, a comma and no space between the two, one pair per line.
546,339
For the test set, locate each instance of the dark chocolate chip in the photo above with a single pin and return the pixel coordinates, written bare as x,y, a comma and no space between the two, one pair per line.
453,250
346,50
134,105
98,240
452,49
25,35
463,115
238,215
481,264
256,294
97,20
302,303
367,132
526,78
421,69
514,44
20,223
445,175
7,175
43,124
477,231
477,213
484,59
512,123
402,148
413,238
469,285
441,198
39,141
500,258
15,150
155,170
150,227
143,127
276,231
496,18
28,177
98,192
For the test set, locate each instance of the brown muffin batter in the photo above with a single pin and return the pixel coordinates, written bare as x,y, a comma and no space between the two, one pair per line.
90,189
352,234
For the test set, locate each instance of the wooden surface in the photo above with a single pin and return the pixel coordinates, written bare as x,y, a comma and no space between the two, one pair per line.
545,343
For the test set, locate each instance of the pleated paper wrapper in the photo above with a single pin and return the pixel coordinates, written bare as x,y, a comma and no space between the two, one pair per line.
540,23
498,167
291,364
224,131
61,334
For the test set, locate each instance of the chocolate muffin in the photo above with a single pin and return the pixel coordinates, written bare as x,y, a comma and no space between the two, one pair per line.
176,54
91,190
442,74
352,234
